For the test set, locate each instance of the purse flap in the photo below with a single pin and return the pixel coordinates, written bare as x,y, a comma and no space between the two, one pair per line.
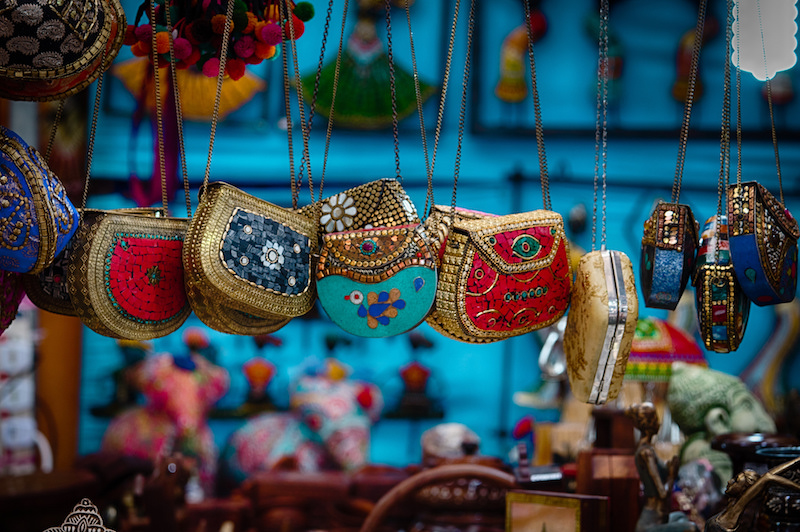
516,243
370,252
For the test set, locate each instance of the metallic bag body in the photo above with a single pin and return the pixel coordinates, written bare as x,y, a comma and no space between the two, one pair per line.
600,325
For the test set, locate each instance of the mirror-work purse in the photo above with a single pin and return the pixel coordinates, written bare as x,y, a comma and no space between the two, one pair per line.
51,49
13,293
763,244
600,325
377,282
502,276
722,305
249,254
126,277
37,218
668,253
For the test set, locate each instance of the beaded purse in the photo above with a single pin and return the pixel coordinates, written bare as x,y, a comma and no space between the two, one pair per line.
13,293
763,242
125,276
669,243
604,307
37,217
722,305
55,48
377,282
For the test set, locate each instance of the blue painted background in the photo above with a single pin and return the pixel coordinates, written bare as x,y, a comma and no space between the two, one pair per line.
476,382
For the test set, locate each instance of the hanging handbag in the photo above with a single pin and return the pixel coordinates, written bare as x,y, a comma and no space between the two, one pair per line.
13,293
604,308
669,243
125,275
377,278
38,218
244,253
722,306
501,276
51,49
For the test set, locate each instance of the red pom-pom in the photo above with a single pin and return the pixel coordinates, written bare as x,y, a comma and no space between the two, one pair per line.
130,35
271,34
244,47
193,58
264,51
140,49
199,31
298,27
143,32
235,68
182,48
211,67
365,398
253,60
538,25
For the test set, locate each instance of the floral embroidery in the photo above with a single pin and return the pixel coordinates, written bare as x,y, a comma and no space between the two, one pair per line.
338,213
6,27
52,29
272,255
23,44
380,307
30,14
48,60
72,44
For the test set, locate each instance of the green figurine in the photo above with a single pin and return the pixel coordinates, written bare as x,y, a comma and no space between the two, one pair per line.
706,403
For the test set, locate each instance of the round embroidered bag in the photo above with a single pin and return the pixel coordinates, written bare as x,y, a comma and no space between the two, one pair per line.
51,49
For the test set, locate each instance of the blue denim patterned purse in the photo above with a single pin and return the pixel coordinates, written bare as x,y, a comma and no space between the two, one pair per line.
37,219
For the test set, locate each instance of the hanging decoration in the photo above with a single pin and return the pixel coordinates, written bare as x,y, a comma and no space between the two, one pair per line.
257,34
364,74
512,87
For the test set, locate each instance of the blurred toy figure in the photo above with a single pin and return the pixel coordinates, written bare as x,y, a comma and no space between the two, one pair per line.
657,478
328,428
179,392
706,403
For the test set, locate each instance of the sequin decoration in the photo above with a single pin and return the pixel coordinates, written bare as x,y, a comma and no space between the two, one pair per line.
763,244
266,253
144,277
667,256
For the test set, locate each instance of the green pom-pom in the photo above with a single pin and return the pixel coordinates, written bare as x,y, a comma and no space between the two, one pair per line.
240,20
239,7
304,11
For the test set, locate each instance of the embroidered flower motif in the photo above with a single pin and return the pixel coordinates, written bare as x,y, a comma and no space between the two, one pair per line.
52,29
48,60
71,44
30,14
272,255
23,44
6,28
338,213
380,308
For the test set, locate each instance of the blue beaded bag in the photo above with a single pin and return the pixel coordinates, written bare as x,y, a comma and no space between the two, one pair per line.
37,219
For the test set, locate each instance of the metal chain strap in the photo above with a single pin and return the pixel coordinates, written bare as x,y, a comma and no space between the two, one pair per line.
445,83
56,121
725,134
687,109
601,123
769,104
315,92
418,95
390,57
92,133
286,15
223,58
537,110
738,101
336,71
178,114
287,103
463,109
162,168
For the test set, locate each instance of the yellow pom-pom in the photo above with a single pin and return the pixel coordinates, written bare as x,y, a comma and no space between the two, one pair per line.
162,42
252,22
218,24
264,51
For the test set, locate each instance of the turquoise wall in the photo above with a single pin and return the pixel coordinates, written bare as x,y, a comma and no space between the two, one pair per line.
475,382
